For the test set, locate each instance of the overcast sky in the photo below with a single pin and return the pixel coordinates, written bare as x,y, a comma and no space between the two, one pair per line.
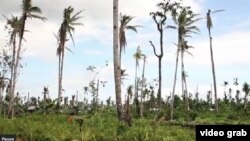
93,46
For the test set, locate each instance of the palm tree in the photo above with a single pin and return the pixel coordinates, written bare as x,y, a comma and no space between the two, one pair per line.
160,18
66,28
116,60
124,25
137,57
123,75
225,85
45,92
184,21
29,11
209,26
13,26
246,89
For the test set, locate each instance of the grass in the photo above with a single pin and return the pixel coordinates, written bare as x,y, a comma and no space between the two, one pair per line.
98,127
104,126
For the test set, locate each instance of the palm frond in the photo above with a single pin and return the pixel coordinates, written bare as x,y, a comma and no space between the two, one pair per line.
171,26
70,30
77,24
216,11
69,50
35,9
133,28
37,17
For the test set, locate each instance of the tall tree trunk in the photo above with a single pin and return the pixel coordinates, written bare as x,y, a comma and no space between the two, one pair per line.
184,82
186,91
15,71
117,67
214,77
182,77
142,88
136,91
160,61
160,79
13,61
14,80
61,77
128,117
175,79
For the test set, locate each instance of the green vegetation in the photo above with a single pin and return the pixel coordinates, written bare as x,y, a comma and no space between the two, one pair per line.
100,127
88,122
144,115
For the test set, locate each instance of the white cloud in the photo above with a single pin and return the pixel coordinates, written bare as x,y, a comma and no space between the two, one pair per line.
229,49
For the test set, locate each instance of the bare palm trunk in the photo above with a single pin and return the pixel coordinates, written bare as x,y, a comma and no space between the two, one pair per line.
13,87
12,67
15,71
61,78
184,82
186,93
160,79
136,91
182,77
117,67
143,73
213,71
128,113
175,79
14,80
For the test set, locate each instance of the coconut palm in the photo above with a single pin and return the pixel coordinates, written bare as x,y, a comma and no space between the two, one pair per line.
184,21
246,89
137,57
116,60
124,25
66,29
14,27
45,92
28,11
123,75
209,26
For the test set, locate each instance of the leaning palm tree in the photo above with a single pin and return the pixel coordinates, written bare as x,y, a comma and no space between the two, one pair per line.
28,11
66,29
124,25
209,26
246,89
116,60
184,21
137,57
